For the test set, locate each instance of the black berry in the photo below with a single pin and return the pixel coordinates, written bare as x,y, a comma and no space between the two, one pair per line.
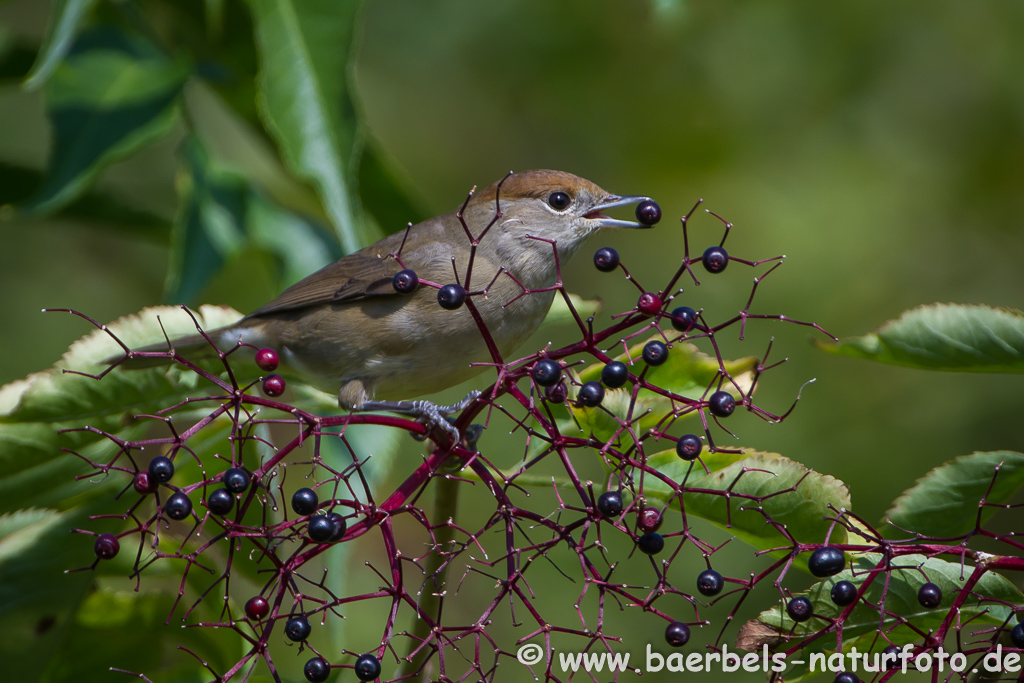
710,583
257,607
715,259
547,372
846,677
320,529
689,446
844,593
800,609
721,404
609,503
929,595
304,501
106,546
606,259
451,297
677,634
273,386
161,469
557,393
591,394
144,484
339,525
651,544
178,506
317,670
655,353
648,303
648,212
615,374
890,657
827,561
236,480
684,318
267,360
405,282
1017,635
367,667
297,629
649,519
220,502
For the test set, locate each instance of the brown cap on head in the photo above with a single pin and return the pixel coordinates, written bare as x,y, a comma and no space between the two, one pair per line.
537,185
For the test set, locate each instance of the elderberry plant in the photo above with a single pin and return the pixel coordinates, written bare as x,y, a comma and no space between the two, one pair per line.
235,485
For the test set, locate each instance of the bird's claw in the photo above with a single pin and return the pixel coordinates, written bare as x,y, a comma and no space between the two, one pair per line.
426,412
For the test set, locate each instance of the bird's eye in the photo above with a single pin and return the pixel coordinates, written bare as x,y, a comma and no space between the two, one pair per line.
559,201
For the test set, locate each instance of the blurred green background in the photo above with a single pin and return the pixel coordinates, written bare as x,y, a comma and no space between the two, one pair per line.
879,145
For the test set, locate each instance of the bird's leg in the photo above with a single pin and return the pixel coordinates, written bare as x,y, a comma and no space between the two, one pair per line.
429,413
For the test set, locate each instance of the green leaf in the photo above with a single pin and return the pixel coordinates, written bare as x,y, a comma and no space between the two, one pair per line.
985,605
65,18
384,193
114,94
965,338
561,315
945,502
306,101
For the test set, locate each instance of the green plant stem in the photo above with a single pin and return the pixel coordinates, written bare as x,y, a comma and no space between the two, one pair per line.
446,502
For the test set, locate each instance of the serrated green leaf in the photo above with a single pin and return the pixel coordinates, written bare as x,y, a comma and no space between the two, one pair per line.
945,502
114,94
945,337
306,103
559,314
65,17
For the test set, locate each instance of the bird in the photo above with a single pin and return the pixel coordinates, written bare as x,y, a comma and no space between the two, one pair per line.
349,329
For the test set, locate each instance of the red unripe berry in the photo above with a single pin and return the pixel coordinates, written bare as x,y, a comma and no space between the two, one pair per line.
649,303
106,546
257,607
649,519
273,386
267,360
143,484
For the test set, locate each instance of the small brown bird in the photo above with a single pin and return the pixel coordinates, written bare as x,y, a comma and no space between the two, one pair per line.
348,329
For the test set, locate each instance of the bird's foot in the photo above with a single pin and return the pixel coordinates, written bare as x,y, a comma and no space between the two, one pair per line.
426,412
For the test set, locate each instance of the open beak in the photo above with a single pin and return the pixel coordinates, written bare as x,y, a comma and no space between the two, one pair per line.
610,203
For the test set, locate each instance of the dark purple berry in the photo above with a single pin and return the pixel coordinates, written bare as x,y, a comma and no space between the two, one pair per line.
648,212
257,607
178,506
591,394
451,297
143,484
1017,635
305,501
236,480
297,629
547,372
367,667
846,677
609,503
677,634
684,318
721,404
320,529
929,595
715,259
648,303
615,374
655,353
267,360
273,386
891,657
606,259
689,446
161,469
651,544
317,670
106,546
827,561
844,593
649,519
800,609
405,282
340,526
220,502
710,583
557,393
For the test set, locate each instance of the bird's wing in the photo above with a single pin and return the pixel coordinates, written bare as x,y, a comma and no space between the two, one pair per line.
355,277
